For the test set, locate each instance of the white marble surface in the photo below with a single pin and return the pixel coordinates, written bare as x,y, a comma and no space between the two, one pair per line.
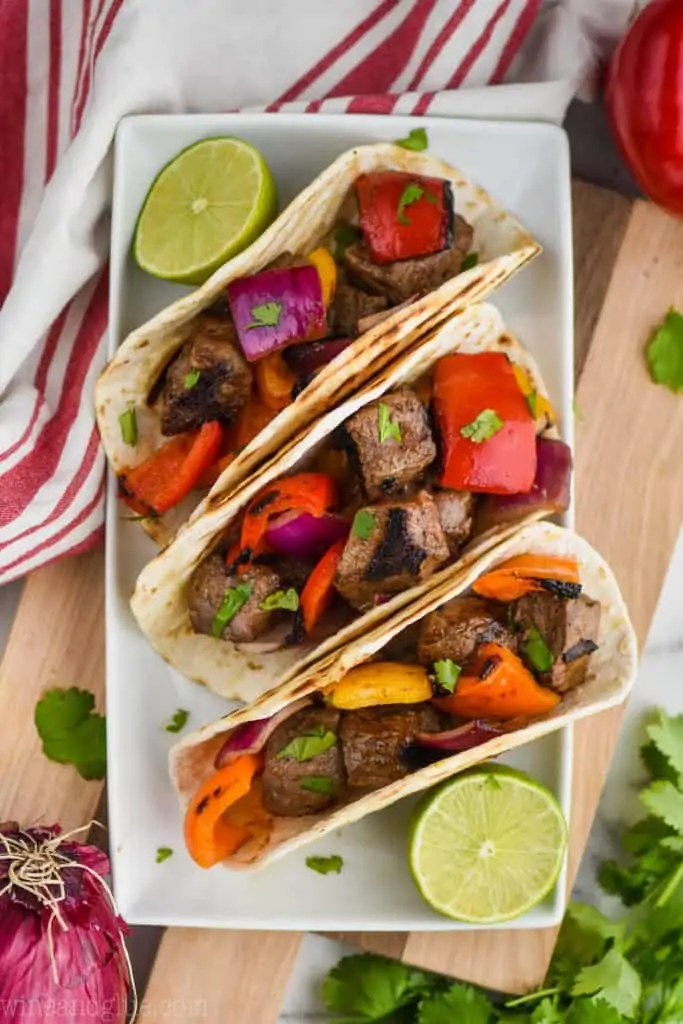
660,682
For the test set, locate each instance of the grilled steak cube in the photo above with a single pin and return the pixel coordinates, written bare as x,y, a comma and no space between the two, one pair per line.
208,586
403,546
568,626
373,740
405,278
209,379
350,306
386,465
457,628
285,779
456,513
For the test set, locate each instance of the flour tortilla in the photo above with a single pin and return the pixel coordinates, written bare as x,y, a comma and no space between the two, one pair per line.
500,240
610,677
159,601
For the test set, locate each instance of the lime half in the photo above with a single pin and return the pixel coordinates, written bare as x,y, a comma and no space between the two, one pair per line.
487,845
209,203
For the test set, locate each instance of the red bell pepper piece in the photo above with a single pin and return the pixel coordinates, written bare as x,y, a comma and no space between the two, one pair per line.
476,388
318,591
163,480
404,215
314,493
251,420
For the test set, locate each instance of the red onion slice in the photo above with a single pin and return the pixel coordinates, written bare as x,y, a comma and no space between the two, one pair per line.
455,741
301,535
310,356
251,737
276,308
551,491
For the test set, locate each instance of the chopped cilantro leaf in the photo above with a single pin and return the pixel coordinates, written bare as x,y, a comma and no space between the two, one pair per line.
531,401
192,379
412,193
309,744
318,784
326,865
163,853
363,524
486,424
129,427
343,236
178,720
71,731
233,600
288,600
537,652
387,428
471,260
447,674
665,352
267,315
416,139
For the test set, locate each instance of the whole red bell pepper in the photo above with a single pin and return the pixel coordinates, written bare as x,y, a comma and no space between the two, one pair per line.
488,436
404,215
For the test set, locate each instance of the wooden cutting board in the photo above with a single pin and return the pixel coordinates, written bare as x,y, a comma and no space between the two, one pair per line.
629,270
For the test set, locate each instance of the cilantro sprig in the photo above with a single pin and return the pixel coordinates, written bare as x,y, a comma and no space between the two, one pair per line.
72,732
664,352
603,971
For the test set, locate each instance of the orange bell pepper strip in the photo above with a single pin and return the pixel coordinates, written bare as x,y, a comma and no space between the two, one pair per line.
274,381
251,420
497,685
318,591
163,480
520,575
314,493
209,836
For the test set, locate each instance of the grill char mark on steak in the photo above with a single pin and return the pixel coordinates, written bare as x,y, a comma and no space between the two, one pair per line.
405,546
374,740
223,382
396,553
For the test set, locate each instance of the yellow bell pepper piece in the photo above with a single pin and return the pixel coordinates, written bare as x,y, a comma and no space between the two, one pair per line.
380,682
323,262
545,412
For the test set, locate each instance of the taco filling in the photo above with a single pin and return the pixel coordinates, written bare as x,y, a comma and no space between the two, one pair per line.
486,662
396,494
250,355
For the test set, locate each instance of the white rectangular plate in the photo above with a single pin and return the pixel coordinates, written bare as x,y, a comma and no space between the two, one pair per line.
526,168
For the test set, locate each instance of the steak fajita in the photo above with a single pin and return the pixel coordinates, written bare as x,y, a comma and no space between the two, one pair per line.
416,475
225,375
531,640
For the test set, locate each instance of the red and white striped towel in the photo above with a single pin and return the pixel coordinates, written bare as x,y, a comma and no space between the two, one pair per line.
69,69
